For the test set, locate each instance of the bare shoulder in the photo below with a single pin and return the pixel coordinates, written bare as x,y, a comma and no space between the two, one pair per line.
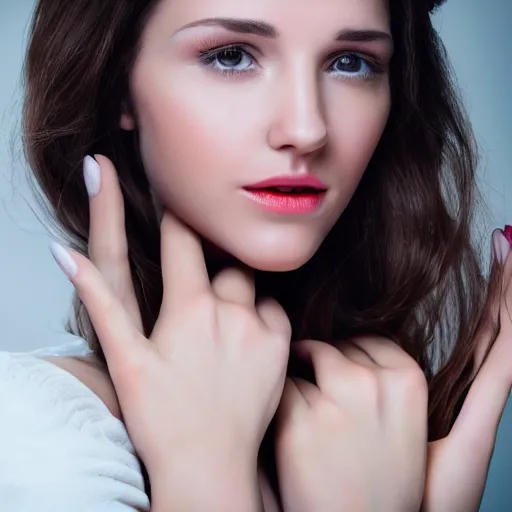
91,372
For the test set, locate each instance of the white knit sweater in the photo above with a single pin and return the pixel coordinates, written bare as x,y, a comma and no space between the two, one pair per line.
61,450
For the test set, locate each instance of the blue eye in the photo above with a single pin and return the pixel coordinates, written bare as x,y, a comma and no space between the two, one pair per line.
353,67
228,60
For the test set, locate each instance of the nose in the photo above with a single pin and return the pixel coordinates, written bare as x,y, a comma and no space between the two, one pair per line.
298,123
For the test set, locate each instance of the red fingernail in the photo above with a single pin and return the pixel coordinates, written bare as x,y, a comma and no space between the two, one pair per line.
508,233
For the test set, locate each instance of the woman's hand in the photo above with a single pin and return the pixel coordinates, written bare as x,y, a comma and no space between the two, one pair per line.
198,395
357,439
459,463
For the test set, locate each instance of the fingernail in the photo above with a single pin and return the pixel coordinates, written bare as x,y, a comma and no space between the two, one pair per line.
63,259
501,246
92,175
508,233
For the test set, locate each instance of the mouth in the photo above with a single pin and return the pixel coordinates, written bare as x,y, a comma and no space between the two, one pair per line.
289,200
287,190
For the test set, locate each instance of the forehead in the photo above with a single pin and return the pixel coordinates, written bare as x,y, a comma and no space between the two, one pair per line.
286,15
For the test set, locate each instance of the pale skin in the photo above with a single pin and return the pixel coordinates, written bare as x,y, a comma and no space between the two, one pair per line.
294,109
455,475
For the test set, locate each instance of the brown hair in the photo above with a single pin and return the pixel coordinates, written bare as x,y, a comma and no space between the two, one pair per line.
399,262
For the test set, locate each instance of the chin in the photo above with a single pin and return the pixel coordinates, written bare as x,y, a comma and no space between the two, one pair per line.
282,260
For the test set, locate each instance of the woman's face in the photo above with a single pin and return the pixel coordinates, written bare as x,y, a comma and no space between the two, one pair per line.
227,94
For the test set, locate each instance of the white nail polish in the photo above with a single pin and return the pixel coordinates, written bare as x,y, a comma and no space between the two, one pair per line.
92,176
63,259
501,246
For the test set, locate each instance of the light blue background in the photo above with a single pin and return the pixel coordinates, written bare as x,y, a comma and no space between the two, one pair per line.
34,295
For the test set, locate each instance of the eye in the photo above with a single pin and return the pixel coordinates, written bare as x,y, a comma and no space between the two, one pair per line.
228,60
353,66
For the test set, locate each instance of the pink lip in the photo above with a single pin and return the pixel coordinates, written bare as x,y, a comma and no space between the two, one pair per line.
293,202
279,202
289,181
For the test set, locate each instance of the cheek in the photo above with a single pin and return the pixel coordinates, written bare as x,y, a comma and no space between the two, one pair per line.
192,138
174,134
356,126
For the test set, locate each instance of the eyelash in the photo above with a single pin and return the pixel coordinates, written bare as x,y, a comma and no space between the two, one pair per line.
209,57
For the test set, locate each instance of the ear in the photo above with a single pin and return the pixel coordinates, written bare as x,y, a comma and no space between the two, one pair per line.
127,122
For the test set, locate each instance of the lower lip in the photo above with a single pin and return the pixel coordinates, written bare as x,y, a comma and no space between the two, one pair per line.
281,202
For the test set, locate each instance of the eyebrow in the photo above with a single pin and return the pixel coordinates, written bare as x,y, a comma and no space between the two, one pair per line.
264,29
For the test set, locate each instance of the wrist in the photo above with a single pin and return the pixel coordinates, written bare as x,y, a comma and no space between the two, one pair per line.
214,484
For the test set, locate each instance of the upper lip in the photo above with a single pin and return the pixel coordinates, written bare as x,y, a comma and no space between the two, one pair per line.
290,181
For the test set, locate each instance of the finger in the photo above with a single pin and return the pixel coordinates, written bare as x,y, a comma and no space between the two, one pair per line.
384,352
274,317
310,393
108,245
292,403
506,304
490,322
183,266
119,339
235,285
328,362
356,354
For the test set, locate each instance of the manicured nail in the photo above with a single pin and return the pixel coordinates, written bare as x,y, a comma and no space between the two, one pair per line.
501,246
92,175
508,233
63,259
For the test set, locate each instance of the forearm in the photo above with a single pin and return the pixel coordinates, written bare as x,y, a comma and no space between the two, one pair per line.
216,488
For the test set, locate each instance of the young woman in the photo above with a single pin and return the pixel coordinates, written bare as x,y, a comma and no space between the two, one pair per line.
262,173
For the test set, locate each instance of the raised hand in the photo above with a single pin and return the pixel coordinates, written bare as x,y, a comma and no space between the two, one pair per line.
458,464
197,396
357,439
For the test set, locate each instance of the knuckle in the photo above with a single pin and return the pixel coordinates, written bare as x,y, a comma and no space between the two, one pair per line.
415,379
410,385
89,287
242,321
286,327
367,382
281,344
129,381
200,306
132,369
109,307
109,253
366,376
417,383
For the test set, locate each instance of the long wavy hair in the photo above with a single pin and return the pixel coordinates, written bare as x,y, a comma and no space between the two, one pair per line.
400,262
